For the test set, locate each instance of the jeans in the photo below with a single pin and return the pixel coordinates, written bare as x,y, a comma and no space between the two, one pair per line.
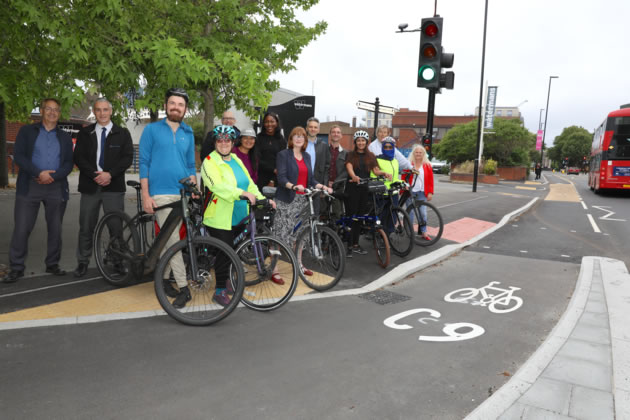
419,195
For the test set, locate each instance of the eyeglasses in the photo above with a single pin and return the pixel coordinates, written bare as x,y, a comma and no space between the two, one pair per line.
224,140
229,119
49,109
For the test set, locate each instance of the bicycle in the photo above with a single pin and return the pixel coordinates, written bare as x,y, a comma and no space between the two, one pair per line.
122,255
318,249
423,212
500,303
262,257
370,222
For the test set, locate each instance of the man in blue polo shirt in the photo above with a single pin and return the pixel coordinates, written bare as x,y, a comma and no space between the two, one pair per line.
43,151
167,154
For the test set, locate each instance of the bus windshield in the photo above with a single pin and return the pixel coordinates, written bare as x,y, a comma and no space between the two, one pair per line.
619,147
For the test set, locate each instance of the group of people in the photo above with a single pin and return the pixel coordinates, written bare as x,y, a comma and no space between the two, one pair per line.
236,165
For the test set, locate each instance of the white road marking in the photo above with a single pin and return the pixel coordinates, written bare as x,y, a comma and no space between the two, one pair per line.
523,251
462,202
514,225
610,213
593,224
584,205
572,231
565,256
486,247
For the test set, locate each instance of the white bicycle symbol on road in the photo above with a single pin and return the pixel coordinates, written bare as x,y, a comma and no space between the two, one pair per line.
499,303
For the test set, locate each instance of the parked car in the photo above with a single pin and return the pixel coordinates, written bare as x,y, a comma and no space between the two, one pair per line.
573,171
438,166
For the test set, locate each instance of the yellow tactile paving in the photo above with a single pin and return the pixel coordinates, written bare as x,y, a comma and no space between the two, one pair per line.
532,183
526,188
563,192
137,298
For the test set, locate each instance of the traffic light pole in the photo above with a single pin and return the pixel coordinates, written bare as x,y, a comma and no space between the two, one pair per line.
483,63
376,106
430,114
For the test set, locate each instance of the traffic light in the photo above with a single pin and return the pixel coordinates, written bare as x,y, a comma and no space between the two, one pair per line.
433,58
427,143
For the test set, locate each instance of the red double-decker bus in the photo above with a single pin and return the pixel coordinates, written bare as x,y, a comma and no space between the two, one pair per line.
610,153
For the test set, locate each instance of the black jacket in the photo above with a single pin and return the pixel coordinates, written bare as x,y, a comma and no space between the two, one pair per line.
118,158
23,155
322,161
268,149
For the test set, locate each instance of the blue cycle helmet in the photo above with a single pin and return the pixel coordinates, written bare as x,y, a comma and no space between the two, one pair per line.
224,131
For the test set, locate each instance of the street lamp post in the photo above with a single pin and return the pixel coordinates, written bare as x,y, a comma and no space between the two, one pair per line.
542,146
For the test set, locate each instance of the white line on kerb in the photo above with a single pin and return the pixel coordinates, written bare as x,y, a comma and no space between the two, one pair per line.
48,287
595,228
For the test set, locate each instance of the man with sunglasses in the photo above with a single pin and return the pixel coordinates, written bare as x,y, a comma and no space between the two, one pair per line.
167,154
43,151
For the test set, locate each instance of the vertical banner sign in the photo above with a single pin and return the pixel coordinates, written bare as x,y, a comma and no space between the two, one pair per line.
539,137
491,101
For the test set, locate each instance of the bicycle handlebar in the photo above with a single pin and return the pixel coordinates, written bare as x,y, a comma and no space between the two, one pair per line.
189,186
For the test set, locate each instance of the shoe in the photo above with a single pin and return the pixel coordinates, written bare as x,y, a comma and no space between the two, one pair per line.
349,253
13,276
358,250
426,237
169,289
182,298
80,270
307,272
222,298
55,270
277,279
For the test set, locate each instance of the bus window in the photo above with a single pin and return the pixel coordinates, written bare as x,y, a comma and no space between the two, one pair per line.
620,143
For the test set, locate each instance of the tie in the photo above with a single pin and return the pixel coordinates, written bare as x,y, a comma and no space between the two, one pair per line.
101,160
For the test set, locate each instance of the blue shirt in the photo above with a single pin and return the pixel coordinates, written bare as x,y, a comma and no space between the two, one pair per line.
310,148
166,157
46,151
240,206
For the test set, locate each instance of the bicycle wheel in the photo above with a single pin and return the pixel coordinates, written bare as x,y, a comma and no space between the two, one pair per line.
400,232
381,245
261,259
213,257
433,222
324,260
116,244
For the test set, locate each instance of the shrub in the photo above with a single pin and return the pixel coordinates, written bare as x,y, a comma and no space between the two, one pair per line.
490,168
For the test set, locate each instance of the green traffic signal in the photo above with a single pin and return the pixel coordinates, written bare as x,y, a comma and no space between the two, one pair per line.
427,73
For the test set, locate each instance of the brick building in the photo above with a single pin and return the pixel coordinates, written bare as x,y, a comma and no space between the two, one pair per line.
408,127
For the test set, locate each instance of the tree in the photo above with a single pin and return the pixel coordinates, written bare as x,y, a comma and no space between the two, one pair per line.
223,51
574,142
509,144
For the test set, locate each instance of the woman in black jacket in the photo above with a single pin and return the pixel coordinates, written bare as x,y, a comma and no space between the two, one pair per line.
269,143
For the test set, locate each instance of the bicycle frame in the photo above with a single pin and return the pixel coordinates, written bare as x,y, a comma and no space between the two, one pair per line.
251,220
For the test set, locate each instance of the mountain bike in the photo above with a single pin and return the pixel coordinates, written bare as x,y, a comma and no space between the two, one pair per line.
395,220
123,255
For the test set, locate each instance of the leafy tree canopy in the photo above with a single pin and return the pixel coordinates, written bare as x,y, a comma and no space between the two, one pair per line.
509,144
574,142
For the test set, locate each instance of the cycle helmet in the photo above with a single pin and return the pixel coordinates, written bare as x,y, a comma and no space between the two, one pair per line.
177,92
389,139
224,131
363,134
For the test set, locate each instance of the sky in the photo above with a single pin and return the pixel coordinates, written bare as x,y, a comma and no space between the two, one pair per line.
361,57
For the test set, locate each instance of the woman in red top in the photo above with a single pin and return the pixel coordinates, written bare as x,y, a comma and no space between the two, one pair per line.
294,175
423,186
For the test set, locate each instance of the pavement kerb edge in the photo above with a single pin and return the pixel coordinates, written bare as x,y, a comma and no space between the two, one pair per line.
398,273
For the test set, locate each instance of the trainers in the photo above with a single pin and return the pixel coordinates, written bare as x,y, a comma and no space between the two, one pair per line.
358,250
222,298
349,253
169,289
229,287
182,298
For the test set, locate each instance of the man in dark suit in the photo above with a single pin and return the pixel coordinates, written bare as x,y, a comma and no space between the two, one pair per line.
318,150
43,152
104,151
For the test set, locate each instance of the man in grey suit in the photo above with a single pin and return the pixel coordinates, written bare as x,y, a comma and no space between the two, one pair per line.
318,150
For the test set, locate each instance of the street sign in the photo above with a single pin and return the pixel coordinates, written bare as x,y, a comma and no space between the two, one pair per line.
367,106
539,138
490,104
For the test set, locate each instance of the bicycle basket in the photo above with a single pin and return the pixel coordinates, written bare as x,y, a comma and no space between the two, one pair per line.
376,187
